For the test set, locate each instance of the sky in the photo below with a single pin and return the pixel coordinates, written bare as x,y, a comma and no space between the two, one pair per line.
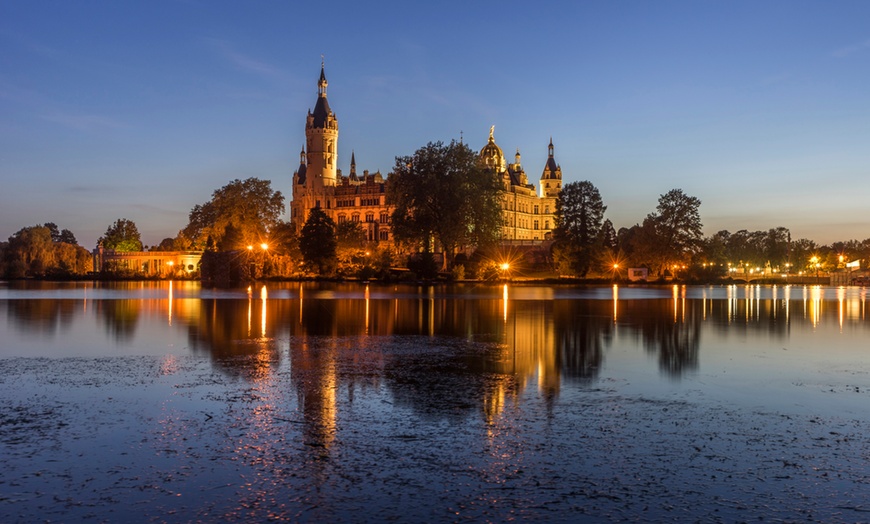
140,110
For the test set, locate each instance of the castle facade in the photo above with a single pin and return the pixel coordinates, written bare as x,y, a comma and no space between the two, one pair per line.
528,213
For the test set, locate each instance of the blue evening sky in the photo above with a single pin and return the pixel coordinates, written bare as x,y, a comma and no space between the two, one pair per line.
141,109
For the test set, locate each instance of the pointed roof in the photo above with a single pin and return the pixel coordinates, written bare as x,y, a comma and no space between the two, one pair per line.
303,168
551,168
353,176
321,111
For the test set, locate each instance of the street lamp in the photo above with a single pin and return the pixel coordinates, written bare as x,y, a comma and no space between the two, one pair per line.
504,267
815,262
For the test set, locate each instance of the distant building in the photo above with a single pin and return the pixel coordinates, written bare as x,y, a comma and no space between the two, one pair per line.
528,213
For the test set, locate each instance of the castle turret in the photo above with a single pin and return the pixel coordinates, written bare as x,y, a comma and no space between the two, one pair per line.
551,178
321,133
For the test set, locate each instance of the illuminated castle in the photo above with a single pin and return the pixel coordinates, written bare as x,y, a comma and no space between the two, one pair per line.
319,183
528,214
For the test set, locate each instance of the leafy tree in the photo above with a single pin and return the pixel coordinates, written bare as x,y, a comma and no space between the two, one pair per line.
802,250
641,245
442,192
607,235
579,215
53,230
31,252
677,225
317,242
60,235
122,236
251,207
67,237
776,246
350,246
167,244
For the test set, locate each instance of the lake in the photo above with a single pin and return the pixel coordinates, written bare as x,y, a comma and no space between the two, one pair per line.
352,402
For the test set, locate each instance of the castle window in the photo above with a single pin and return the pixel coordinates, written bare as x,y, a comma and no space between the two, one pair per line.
384,218
547,210
355,217
385,235
342,219
370,217
536,209
546,224
536,224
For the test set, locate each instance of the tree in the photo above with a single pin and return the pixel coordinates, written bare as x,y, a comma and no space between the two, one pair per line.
250,207
122,236
31,252
60,235
442,192
579,215
67,237
677,224
350,245
317,242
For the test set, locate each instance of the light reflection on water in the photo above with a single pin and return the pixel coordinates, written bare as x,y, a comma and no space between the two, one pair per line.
545,335
314,391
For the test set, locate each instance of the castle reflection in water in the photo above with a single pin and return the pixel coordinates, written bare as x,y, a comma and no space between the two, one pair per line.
491,343
444,350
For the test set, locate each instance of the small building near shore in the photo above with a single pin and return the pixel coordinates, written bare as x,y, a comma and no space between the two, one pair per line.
638,274
165,264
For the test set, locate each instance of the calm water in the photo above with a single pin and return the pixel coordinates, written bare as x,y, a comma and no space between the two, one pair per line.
320,401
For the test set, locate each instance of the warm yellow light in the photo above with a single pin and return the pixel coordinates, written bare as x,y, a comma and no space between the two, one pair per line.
171,263
264,246
505,266
250,248
615,266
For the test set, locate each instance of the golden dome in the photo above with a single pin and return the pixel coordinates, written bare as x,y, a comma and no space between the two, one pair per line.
492,155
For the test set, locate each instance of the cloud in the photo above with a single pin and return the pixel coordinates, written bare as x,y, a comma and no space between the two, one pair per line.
245,62
848,50
84,122
101,188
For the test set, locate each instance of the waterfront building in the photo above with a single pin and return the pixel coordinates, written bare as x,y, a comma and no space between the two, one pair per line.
528,213
318,183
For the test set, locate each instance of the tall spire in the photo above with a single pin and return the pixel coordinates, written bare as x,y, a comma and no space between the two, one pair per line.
352,163
550,148
322,83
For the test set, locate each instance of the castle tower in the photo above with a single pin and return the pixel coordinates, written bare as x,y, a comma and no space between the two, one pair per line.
551,178
321,135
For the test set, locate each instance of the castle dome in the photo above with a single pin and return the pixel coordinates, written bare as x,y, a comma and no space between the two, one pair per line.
492,155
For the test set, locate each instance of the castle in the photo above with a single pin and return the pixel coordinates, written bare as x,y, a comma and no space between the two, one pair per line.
528,213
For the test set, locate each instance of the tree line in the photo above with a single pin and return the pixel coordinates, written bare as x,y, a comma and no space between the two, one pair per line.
443,201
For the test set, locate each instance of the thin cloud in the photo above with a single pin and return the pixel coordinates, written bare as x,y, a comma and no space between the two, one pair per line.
84,122
245,62
848,50
91,189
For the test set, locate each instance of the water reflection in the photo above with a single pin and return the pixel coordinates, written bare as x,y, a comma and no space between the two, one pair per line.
540,334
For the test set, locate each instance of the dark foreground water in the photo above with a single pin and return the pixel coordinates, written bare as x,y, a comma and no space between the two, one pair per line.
165,402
